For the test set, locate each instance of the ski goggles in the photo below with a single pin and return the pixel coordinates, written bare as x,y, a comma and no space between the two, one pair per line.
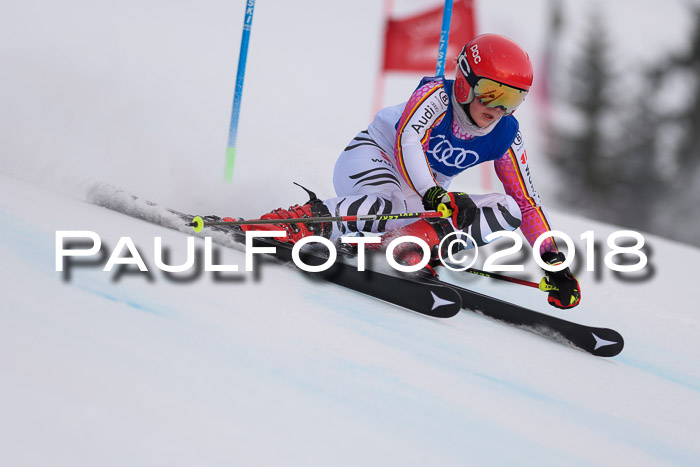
487,91
494,94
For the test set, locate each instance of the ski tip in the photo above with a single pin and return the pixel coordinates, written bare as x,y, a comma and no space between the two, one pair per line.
197,224
608,343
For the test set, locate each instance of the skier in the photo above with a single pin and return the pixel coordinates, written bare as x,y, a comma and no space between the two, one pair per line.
407,157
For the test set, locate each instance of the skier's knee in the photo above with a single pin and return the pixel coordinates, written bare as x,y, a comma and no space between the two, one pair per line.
362,205
510,212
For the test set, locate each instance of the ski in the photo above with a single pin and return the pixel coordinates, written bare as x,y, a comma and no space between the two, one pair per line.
429,296
601,342
431,299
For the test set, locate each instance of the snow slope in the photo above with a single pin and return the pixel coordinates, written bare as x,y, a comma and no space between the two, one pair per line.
103,369
272,369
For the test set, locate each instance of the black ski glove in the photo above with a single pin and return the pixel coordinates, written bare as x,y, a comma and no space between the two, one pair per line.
564,290
462,206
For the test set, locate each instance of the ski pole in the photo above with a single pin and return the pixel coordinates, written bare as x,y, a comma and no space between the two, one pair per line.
198,223
444,35
502,277
238,93
544,286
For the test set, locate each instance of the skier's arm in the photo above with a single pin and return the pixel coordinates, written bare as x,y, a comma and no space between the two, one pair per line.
423,111
514,173
512,169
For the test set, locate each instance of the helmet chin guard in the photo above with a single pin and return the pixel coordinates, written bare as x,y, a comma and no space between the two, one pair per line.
463,92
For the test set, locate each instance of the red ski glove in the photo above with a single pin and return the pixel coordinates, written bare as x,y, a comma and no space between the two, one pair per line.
462,207
564,290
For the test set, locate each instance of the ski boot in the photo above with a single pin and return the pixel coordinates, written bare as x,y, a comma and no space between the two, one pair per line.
432,231
295,231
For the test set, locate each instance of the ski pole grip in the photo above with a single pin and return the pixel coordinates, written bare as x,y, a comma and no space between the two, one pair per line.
545,286
444,210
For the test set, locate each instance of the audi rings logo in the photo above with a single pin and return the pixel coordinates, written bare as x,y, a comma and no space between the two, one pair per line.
450,156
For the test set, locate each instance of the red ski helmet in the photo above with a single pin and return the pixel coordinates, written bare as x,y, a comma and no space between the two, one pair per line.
495,70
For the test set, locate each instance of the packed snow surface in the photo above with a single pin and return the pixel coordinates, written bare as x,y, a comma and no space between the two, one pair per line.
269,368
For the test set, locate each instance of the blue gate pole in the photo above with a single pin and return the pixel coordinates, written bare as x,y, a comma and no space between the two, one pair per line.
444,35
233,128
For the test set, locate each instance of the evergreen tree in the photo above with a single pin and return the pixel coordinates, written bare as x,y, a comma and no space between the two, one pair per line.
688,156
680,217
639,187
582,155
614,166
